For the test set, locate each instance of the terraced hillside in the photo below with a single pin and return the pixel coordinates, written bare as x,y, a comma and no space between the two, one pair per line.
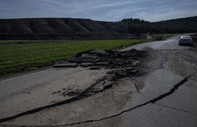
59,28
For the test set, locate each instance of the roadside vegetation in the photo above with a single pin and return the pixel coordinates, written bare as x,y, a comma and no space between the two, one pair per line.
14,41
163,36
180,25
15,58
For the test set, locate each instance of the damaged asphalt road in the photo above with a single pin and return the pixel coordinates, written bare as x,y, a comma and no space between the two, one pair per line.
149,88
122,64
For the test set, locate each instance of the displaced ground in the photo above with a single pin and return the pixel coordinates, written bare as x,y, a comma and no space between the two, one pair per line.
16,58
115,66
158,91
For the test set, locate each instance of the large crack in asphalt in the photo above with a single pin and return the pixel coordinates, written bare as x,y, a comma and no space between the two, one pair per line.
80,96
85,93
174,88
121,63
113,76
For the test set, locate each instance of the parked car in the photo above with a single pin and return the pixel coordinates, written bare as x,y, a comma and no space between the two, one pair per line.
186,40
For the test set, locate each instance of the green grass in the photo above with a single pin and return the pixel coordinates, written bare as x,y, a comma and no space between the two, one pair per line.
169,35
15,58
14,41
163,36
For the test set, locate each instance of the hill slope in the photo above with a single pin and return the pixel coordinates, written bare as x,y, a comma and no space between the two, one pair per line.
181,25
58,28
70,28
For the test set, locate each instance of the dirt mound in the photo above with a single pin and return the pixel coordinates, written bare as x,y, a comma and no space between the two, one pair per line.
112,59
120,64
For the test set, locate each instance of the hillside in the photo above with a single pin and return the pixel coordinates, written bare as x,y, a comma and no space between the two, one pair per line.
86,29
58,28
181,25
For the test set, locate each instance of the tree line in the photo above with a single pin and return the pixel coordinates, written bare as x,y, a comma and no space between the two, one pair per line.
181,25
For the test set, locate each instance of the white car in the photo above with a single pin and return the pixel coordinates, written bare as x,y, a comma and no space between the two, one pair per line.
186,40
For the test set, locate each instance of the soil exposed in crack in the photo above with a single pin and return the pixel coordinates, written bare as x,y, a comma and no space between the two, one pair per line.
121,64
105,58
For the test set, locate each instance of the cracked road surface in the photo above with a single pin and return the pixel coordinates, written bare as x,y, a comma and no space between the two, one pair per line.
179,108
165,96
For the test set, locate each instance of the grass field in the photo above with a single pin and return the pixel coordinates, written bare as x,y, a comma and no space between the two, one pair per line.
163,36
15,41
15,58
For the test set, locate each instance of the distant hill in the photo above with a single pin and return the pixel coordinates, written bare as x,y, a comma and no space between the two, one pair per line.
58,28
80,29
181,25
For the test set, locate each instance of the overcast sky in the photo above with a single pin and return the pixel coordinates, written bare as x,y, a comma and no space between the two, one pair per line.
106,10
